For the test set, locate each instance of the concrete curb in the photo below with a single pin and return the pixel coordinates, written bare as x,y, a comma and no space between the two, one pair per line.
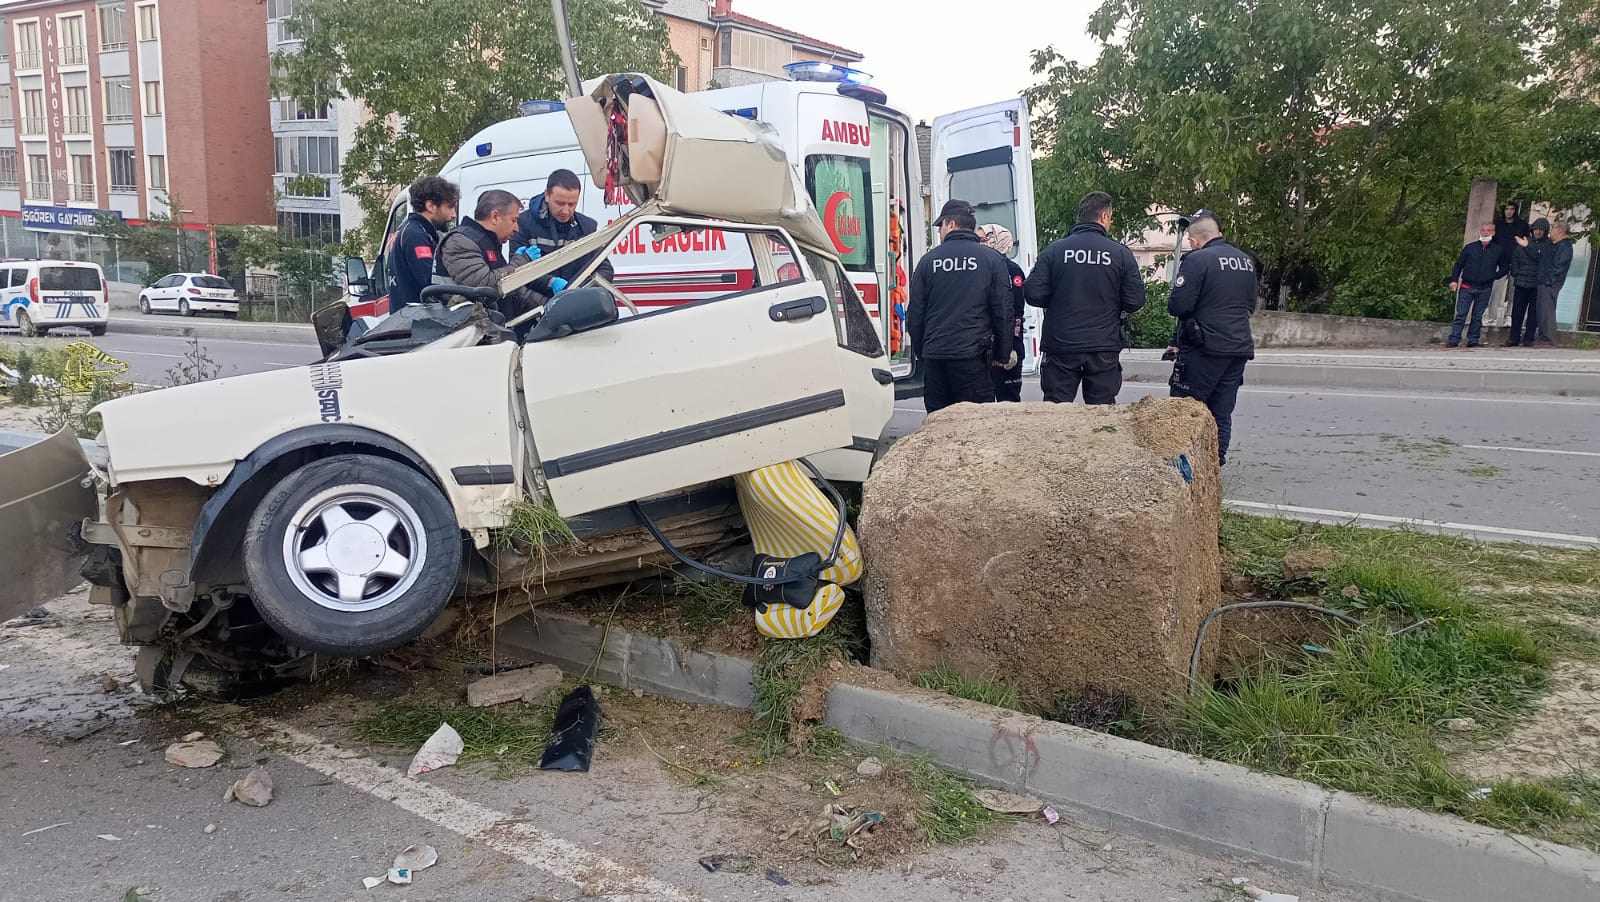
1333,839
215,330
1390,378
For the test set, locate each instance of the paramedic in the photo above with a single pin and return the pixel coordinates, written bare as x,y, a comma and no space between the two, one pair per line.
1007,383
551,222
433,207
470,254
960,313
1213,297
1086,283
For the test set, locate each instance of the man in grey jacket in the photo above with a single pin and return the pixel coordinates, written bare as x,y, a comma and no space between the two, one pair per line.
1553,267
471,254
1525,254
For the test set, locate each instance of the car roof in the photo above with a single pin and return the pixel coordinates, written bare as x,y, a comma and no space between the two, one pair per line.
50,263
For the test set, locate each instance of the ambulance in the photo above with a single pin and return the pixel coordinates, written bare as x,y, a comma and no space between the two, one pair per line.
861,166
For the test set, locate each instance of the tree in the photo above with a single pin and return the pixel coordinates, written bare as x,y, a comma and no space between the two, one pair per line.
305,271
159,243
1338,139
435,72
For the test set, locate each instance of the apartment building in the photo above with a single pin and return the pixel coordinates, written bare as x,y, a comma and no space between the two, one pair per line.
308,145
123,108
720,48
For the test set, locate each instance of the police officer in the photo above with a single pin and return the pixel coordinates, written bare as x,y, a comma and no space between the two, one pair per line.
551,222
433,207
1086,283
959,317
1213,297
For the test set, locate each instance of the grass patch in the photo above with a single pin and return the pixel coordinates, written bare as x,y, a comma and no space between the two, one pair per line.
1566,640
534,528
1482,471
990,692
949,812
785,670
703,605
514,736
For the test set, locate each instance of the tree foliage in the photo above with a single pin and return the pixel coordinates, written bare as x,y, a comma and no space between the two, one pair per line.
435,72
1338,139
160,243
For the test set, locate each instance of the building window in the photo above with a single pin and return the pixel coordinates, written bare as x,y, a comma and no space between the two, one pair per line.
683,79
755,52
82,169
308,154
149,25
318,229
7,114
123,172
119,99
33,112
114,26
78,111
8,168
158,171
27,49
280,9
74,41
38,177
152,98
5,40
290,110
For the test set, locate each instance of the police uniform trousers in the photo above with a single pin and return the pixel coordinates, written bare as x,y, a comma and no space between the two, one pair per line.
1008,383
1215,381
1099,372
947,382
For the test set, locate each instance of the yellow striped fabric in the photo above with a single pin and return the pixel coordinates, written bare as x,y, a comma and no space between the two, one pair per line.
789,516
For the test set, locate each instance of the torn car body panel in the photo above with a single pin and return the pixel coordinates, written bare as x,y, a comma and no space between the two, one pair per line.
43,496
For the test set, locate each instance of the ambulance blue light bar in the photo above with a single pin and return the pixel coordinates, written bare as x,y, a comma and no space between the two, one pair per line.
540,107
810,70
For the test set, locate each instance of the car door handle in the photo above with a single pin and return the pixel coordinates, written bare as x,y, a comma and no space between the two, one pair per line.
789,311
884,377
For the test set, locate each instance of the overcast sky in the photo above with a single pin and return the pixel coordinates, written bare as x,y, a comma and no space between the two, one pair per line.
931,61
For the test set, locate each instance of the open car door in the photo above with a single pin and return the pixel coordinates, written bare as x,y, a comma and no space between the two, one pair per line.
984,156
684,395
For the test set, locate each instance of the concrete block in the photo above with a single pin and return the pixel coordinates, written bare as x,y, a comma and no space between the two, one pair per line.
1422,857
665,668
571,644
529,684
986,743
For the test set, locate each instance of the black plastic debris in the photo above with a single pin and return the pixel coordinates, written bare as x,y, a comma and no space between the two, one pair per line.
571,745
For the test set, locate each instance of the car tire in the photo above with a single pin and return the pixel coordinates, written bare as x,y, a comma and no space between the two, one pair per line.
144,305
230,314
26,325
97,331
183,308
331,583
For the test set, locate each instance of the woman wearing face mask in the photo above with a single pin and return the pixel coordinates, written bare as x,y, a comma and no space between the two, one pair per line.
1007,383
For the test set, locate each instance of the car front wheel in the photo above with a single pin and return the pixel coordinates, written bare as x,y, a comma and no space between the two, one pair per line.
144,305
352,555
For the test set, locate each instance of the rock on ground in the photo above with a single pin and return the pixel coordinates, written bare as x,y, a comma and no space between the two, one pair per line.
530,684
1304,563
254,790
202,753
1055,547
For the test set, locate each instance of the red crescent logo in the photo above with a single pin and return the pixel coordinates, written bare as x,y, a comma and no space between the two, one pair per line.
830,212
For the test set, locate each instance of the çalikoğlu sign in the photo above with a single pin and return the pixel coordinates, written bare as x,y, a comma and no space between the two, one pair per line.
63,219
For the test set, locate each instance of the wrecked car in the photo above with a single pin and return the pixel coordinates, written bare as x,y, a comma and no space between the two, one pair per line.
250,523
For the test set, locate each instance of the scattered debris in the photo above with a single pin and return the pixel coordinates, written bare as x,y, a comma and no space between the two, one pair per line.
129,742
1051,816
196,736
577,722
254,790
844,825
833,788
210,829
1261,895
188,753
776,878
1304,563
442,749
370,882
870,767
400,876
530,684
638,693
1481,793
416,857
109,684
109,837
732,864
1351,592
1007,802
51,827
1461,725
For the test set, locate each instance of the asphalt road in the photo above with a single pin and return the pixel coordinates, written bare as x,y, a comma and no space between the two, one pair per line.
1506,462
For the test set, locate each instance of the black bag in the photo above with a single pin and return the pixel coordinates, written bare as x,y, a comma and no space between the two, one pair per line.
1190,334
799,576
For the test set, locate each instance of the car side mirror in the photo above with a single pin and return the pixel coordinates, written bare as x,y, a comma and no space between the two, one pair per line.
332,327
577,310
356,275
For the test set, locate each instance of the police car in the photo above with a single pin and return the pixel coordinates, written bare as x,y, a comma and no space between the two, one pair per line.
39,295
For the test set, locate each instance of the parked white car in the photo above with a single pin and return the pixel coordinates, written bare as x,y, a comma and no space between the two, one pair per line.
188,293
39,295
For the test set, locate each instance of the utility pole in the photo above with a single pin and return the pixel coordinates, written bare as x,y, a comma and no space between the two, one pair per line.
569,56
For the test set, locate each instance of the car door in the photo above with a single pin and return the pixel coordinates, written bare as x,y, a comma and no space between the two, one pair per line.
162,295
685,395
10,298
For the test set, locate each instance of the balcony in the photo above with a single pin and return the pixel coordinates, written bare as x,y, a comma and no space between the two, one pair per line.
75,55
109,46
79,125
83,194
28,59
39,191
34,126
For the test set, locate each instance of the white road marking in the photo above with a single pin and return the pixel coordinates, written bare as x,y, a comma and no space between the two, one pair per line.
1383,521
1532,450
595,874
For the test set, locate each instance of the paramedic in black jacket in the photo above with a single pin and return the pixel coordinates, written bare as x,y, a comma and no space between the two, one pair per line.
551,222
1008,383
1086,283
433,207
959,317
1478,267
1213,297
